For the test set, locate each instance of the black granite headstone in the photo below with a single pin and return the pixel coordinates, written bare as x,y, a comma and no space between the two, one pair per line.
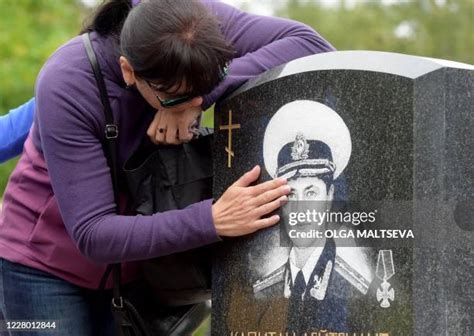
393,136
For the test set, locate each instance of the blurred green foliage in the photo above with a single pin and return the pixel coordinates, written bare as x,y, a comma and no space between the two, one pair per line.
30,30
433,28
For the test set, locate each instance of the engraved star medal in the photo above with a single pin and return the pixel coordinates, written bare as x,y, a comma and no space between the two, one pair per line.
385,270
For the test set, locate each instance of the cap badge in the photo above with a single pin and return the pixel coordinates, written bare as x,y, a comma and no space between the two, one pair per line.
300,148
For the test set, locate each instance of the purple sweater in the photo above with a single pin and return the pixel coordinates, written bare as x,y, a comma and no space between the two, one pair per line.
59,213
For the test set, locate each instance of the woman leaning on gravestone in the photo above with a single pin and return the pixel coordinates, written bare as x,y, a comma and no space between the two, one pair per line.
162,62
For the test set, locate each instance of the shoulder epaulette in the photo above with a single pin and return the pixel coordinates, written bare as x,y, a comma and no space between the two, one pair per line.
350,274
270,279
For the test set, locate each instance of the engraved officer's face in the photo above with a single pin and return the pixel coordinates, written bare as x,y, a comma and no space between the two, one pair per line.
309,198
310,188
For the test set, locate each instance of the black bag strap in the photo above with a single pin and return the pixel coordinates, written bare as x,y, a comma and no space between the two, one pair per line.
110,149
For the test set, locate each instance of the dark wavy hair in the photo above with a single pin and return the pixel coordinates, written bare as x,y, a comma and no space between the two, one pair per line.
168,42
108,18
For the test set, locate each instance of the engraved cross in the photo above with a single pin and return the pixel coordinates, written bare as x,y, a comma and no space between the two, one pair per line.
229,127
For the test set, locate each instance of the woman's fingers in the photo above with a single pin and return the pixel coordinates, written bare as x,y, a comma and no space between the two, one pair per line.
184,134
248,178
189,119
172,126
271,206
270,192
266,222
269,185
152,129
172,135
240,209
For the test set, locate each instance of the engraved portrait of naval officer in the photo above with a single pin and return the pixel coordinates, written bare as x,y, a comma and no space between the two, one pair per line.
309,144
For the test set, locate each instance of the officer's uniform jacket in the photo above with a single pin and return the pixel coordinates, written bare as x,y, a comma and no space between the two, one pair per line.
324,304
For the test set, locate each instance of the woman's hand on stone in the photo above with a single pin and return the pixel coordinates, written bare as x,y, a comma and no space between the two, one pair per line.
240,209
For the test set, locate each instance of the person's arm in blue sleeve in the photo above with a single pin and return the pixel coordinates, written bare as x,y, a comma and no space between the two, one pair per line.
14,128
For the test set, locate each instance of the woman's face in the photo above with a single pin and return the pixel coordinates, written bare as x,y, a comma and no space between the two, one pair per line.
153,96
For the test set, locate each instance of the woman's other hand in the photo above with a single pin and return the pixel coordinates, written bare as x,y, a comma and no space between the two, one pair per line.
174,125
240,209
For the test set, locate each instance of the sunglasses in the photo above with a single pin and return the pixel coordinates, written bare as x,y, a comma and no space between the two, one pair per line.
170,102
